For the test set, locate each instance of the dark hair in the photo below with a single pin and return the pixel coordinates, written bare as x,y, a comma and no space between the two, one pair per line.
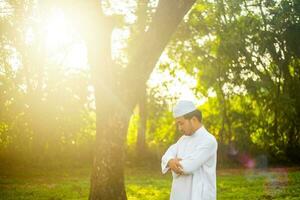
196,113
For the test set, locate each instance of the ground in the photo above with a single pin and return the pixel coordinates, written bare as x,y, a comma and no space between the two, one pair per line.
146,184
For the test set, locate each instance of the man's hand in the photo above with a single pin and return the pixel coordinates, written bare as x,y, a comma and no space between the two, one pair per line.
175,165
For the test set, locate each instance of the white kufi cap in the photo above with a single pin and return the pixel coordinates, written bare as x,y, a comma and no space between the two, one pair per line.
183,107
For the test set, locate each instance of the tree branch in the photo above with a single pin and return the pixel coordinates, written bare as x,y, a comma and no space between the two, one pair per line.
151,44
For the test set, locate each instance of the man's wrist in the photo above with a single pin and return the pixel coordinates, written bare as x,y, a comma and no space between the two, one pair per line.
168,164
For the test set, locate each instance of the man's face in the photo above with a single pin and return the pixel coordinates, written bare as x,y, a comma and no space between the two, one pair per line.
185,126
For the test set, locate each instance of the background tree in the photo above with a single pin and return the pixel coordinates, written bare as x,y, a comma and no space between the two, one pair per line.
244,55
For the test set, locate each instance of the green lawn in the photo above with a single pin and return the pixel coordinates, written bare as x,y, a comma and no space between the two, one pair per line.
142,184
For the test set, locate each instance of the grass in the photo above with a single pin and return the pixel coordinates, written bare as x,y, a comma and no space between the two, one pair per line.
279,183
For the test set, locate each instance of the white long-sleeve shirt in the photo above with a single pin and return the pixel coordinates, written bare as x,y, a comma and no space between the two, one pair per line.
199,158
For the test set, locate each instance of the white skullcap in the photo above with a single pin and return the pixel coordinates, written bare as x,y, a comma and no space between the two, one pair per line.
183,107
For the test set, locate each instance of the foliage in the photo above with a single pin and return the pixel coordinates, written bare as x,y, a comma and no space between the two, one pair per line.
244,55
248,68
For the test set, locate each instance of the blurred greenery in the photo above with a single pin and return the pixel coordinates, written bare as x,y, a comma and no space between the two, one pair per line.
244,56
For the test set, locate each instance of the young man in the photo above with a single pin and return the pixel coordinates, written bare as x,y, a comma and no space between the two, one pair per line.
193,158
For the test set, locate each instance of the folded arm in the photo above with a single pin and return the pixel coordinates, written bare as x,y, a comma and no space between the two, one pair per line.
170,154
201,154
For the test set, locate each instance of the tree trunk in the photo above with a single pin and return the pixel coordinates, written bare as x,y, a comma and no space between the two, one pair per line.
107,178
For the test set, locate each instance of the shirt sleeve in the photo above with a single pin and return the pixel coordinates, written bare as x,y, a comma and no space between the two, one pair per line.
201,154
170,154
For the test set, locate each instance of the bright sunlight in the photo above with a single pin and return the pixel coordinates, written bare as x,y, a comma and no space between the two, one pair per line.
64,46
62,42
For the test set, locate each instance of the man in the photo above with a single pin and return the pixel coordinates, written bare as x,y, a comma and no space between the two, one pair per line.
193,158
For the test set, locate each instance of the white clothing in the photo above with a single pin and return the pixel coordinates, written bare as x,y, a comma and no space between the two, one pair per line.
199,158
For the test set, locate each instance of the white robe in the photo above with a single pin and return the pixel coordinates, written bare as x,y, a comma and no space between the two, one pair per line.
199,158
